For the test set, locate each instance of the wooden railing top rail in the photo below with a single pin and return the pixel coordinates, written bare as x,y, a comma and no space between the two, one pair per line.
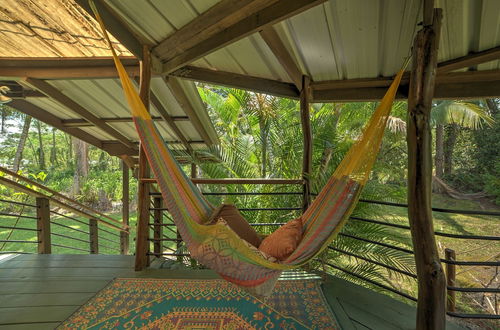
56,194
19,187
238,181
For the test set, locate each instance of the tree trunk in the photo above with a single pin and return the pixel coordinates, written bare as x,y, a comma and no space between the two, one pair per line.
449,145
41,153
53,150
264,133
439,158
22,142
81,164
493,106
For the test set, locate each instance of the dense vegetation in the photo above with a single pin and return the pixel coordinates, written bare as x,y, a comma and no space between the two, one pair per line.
260,136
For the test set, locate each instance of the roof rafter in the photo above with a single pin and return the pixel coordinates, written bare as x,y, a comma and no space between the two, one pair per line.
279,50
276,12
84,123
58,96
235,80
469,60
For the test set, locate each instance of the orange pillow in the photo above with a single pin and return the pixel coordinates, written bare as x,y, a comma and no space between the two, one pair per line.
283,241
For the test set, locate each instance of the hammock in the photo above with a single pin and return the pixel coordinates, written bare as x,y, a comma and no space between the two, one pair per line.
216,245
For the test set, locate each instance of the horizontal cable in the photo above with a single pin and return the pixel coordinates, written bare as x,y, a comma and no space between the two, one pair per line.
17,216
106,239
487,290
404,272
259,224
169,254
109,232
471,263
69,247
15,252
407,296
19,228
435,209
70,237
108,247
18,241
474,316
271,209
378,243
17,203
437,233
164,240
68,217
251,193
68,227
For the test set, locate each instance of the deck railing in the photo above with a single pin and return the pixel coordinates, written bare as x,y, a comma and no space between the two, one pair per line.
169,244
41,217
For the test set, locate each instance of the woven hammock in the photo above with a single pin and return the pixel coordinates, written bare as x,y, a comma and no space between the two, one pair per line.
216,245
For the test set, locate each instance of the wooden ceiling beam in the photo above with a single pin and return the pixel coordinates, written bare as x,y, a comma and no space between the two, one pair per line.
234,80
279,50
217,18
469,60
61,98
84,123
170,122
183,100
276,12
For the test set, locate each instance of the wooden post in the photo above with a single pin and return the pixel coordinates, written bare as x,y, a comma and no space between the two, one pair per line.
305,96
157,228
124,236
449,255
94,236
143,199
43,225
431,281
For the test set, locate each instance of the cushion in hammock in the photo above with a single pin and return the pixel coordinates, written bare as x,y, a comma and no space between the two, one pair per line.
236,222
284,240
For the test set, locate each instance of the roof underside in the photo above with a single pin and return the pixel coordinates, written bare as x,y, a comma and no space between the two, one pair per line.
349,48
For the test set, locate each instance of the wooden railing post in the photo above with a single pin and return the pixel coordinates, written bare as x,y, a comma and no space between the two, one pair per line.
157,228
305,96
94,236
125,236
431,305
449,254
43,225
143,199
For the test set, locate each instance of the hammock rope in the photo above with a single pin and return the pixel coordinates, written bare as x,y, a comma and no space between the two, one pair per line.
216,245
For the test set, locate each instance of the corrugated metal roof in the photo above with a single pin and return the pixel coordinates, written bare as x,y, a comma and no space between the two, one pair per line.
340,39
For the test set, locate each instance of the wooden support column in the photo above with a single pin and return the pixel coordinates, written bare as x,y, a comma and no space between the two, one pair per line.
305,119
43,225
451,273
94,236
125,236
143,199
157,228
431,279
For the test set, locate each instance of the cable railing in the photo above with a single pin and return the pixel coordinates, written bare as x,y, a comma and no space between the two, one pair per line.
345,234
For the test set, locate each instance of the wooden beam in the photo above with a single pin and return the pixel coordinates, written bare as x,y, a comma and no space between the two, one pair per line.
305,121
431,279
61,98
170,122
234,80
183,100
428,12
268,16
84,123
65,68
143,199
238,181
470,60
125,236
43,225
217,18
279,50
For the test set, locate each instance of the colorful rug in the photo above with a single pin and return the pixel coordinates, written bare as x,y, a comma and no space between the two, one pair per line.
202,304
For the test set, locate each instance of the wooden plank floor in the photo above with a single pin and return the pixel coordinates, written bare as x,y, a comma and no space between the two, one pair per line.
40,291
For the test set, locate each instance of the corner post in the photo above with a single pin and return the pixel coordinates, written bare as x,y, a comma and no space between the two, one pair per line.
43,225
431,279
449,255
142,242
94,236
305,97
125,236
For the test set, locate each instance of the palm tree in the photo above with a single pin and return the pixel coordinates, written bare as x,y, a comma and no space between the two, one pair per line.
454,114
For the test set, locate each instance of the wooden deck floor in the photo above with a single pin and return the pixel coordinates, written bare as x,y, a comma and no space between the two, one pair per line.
40,291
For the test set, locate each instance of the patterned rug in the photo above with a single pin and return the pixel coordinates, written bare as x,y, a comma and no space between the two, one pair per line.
202,304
